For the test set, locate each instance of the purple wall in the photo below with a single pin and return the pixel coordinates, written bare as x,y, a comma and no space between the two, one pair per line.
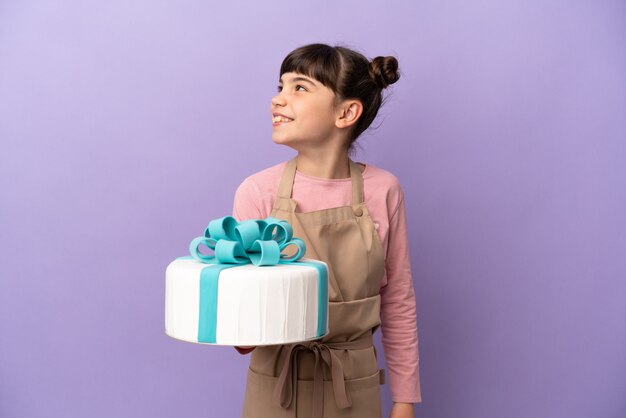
507,130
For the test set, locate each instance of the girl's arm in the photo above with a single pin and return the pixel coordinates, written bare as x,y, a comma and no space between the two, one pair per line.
398,321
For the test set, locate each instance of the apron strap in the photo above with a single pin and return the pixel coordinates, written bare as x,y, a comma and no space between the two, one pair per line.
285,391
357,188
285,187
286,181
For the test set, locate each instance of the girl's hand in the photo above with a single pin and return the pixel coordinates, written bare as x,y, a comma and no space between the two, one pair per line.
401,410
245,349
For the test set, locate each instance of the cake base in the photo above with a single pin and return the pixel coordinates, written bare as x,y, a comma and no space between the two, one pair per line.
253,305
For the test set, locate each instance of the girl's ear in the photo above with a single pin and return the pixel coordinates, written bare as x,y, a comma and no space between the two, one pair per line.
349,113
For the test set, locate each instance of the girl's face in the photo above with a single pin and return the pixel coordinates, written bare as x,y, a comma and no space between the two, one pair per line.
302,111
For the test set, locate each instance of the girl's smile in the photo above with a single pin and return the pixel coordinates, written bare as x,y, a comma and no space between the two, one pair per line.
279,118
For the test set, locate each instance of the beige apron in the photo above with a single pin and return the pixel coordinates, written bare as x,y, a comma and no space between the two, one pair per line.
336,376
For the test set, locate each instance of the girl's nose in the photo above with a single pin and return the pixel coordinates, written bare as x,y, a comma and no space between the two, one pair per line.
278,100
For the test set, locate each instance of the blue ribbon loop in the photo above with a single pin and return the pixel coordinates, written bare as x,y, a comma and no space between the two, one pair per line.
260,242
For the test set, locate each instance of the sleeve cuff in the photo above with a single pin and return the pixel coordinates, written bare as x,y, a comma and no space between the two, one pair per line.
408,400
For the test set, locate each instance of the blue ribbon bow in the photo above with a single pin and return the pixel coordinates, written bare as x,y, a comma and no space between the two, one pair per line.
259,242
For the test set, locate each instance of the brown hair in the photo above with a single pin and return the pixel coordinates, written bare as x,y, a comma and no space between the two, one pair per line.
349,74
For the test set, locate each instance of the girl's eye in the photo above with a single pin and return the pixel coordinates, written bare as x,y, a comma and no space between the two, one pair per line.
298,86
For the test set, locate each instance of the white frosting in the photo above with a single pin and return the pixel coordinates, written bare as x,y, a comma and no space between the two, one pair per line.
256,305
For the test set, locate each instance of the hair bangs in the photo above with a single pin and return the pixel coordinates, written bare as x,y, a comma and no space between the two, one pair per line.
317,61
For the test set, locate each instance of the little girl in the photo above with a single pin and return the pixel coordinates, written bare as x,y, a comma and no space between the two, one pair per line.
351,216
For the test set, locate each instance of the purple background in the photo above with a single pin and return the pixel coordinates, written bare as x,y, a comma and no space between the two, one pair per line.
127,126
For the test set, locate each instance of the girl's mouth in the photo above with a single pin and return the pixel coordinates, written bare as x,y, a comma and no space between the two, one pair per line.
278,119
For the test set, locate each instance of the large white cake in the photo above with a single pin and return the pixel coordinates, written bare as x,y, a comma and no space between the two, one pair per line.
249,304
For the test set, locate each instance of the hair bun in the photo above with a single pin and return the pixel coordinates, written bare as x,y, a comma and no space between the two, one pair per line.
384,71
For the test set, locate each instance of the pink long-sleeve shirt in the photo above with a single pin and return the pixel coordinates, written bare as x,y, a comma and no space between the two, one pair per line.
384,198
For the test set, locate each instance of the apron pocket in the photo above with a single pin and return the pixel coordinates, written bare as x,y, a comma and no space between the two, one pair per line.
365,395
364,392
257,401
